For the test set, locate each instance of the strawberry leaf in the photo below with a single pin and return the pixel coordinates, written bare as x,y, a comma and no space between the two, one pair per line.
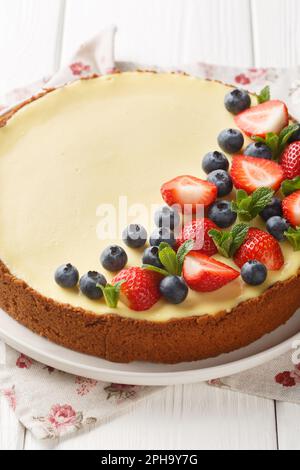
293,236
264,95
290,186
248,207
228,243
111,293
184,249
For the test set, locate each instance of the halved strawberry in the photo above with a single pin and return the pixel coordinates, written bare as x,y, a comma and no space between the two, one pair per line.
197,230
259,120
251,173
291,208
189,190
260,246
205,274
290,161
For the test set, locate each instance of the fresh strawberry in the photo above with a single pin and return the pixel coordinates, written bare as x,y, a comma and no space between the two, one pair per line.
189,190
290,161
205,274
271,116
140,291
291,208
197,230
260,246
251,173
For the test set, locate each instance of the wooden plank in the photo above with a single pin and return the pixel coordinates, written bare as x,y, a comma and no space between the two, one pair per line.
166,32
183,417
12,433
288,423
29,40
276,32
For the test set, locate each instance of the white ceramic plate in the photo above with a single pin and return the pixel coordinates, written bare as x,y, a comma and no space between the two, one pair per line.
140,373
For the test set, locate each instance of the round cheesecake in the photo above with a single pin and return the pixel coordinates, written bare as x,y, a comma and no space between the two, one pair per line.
107,145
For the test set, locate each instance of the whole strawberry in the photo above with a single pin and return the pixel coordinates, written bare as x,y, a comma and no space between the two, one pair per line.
290,161
260,246
198,231
140,291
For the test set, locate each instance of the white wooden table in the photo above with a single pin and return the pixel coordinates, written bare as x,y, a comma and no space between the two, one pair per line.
36,36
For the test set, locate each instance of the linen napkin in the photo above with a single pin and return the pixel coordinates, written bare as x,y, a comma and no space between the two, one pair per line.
77,402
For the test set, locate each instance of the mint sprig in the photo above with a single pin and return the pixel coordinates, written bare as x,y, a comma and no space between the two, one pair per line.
247,206
111,293
172,262
228,243
290,186
277,142
293,236
264,95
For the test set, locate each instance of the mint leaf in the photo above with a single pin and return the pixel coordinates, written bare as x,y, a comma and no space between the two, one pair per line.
163,245
285,136
290,186
161,271
168,259
293,236
277,142
248,207
172,262
111,293
264,95
228,243
184,249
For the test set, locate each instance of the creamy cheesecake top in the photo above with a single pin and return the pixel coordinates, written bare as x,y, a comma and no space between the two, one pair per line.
67,154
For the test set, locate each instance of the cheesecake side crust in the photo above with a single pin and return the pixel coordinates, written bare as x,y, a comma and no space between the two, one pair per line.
123,340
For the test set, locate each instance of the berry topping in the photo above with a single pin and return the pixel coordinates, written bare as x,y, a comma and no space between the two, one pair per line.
205,274
231,140
277,226
260,246
291,208
290,161
198,231
222,214
215,161
140,291
271,116
134,236
90,285
189,190
167,217
151,257
258,150
254,273
272,209
67,276
237,101
222,180
174,289
113,258
251,173
162,235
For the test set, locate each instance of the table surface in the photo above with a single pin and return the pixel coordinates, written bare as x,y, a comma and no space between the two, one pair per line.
35,38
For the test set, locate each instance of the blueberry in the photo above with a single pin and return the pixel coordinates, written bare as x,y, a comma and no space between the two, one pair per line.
150,256
272,209
161,235
237,101
295,136
221,214
254,273
167,217
174,289
258,150
113,258
276,226
89,285
135,236
222,180
67,276
231,140
214,161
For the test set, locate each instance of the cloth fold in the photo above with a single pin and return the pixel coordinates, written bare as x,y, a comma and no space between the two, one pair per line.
76,402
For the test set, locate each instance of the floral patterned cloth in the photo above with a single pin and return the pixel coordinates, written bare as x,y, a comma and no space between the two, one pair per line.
76,402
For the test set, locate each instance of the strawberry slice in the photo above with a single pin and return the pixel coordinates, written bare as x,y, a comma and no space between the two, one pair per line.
189,190
198,230
205,274
290,161
251,173
259,120
291,208
260,246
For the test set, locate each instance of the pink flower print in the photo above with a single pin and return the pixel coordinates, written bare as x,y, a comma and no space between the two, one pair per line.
285,379
62,416
242,79
24,362
78,68
10,395
49,369
84,385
